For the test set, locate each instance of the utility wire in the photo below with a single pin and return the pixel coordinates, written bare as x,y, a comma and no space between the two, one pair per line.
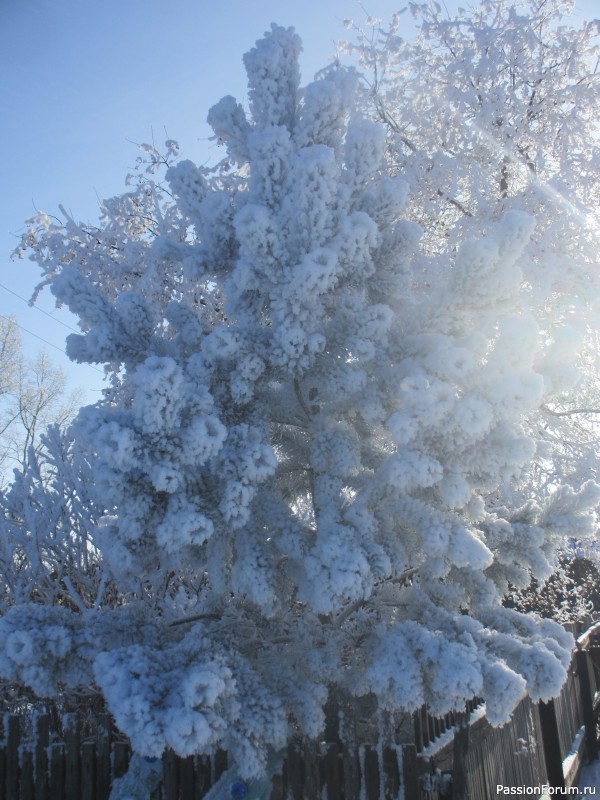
37,308
41,338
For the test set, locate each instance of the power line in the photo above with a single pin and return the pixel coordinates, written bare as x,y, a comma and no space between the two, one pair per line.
41,338
37,308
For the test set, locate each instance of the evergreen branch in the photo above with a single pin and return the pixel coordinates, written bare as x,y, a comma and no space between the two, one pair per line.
347,612
571,412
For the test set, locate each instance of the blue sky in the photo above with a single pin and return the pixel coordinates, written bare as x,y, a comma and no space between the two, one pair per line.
83,79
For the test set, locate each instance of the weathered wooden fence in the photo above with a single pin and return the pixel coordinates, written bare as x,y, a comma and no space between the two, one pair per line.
544,743
70,765
459,756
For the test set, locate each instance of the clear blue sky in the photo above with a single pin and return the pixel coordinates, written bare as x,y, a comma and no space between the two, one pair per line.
79,78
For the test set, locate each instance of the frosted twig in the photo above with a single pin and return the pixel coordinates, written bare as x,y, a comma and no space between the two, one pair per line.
301,399
347,612
193,618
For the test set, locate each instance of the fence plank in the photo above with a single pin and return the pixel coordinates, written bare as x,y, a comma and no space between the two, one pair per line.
72,734
3,732
12,756
42,738
486,773
331,770
293,767
170,783
27,786
515,731
121,755
57,774
88,770
540,771
350,772
277,791
476,778
460,785
510,763
310,772
587,698
203,772
424,723
432,727
103,765
371,773
410,771
418,731
551,744
220,763
186,777
391,775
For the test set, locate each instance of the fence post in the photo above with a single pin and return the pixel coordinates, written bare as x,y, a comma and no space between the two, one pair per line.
587,701
551,743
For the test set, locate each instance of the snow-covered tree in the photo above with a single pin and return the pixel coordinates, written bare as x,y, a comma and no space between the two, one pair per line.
511,92
47,554
309,429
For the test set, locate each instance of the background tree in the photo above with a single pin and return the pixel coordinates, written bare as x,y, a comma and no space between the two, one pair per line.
33,395
48,555
513,95
10,367
309,457
511,91
47,551
571,593
9,354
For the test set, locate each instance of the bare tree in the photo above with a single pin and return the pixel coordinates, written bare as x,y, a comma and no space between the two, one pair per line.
9,354
33,395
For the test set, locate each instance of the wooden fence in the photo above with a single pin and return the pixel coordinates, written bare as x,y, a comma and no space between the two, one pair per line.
544,743
459,756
